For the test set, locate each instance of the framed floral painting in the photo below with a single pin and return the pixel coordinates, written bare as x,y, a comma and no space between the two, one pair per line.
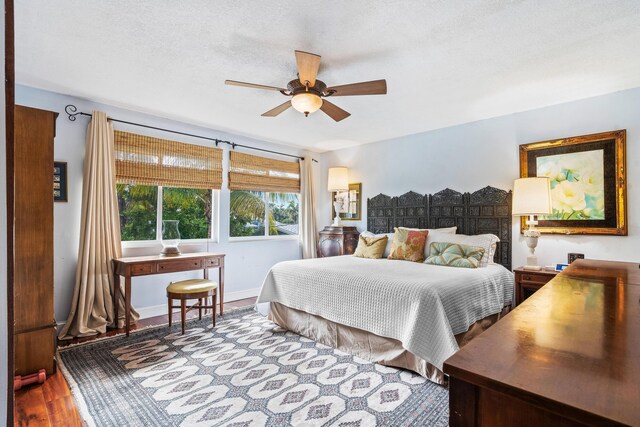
588,182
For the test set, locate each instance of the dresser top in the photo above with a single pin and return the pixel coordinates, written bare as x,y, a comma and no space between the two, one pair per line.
541,271
574,345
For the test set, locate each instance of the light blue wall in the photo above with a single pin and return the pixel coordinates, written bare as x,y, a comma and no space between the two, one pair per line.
471,156
246,262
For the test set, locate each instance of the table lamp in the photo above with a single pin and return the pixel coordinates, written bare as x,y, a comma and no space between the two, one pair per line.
338,181
531,197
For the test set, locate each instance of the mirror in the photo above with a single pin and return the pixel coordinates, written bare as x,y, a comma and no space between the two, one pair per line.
351,203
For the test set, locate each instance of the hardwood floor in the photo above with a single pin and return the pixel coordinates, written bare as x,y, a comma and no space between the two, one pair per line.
51,403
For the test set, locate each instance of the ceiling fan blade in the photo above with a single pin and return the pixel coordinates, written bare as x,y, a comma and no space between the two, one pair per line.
333,111
308,64
252,85
374,87
279,109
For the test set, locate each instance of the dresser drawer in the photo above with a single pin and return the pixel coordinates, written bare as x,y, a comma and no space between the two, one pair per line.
212,262
533,278
140,269
179,265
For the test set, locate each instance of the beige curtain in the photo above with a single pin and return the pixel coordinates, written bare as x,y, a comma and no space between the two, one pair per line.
308,230
92,303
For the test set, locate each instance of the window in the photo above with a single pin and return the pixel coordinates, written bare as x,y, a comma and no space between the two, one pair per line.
258,213
264,196
158,180
142,209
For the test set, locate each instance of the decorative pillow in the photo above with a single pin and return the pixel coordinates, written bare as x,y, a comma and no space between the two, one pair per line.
389,236
486,241
408,244
437,235
371,247
387,250
454,255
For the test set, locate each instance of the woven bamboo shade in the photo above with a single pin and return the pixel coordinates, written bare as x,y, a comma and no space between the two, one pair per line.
247,172
145,160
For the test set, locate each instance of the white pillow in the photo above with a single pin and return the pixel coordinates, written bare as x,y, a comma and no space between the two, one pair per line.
486,241
387,249
437,235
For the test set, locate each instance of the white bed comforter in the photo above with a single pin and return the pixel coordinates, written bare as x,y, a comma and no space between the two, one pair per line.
422,306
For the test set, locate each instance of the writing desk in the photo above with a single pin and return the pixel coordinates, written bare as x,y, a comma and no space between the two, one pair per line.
158,264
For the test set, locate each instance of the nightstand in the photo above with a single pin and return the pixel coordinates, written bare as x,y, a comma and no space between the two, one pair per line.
529,281
335,241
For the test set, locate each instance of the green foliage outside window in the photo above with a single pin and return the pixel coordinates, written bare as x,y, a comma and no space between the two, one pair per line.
283,215
247,213
138,205
192,207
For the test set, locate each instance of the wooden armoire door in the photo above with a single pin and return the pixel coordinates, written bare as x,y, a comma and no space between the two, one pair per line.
35,327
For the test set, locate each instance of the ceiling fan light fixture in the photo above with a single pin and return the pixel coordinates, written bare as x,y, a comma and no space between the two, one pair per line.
306,102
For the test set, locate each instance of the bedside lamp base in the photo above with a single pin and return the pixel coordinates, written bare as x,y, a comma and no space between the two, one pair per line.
531,237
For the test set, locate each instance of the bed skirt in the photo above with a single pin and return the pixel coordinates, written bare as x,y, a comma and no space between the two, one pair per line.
363,344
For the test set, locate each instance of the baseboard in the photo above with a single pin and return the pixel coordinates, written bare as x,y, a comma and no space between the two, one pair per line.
159,310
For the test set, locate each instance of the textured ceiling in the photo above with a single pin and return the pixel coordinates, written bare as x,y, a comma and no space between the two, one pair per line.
446,62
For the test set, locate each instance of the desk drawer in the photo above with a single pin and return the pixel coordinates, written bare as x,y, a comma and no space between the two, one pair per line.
212,262
179,265
141,269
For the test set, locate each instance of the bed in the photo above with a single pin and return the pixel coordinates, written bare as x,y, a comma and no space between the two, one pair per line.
401,313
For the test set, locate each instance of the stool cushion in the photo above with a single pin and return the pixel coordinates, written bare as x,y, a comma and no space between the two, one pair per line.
191,286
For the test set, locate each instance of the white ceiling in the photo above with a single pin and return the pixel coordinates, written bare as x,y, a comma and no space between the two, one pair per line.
446,62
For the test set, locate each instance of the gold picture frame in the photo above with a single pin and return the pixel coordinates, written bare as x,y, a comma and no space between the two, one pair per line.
604,208
352,205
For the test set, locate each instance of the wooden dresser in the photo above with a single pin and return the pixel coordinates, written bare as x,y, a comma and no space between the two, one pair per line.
334,241
567,356
35,326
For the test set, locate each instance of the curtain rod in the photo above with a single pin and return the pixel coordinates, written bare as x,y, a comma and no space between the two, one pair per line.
72,112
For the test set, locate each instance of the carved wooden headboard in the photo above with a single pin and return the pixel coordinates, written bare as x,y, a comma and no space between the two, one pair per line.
484,211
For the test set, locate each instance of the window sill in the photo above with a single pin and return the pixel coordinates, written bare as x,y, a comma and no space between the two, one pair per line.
259,238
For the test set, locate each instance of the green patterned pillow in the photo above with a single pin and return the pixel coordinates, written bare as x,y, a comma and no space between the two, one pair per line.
454,255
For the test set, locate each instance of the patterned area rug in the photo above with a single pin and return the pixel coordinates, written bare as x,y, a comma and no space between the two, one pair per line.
245,372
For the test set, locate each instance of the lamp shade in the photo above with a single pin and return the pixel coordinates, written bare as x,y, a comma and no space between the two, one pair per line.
338,179
306,102
531,196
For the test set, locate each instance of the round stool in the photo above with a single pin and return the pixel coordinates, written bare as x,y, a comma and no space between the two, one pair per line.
192,289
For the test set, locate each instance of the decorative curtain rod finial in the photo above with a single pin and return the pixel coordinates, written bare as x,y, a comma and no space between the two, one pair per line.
72,112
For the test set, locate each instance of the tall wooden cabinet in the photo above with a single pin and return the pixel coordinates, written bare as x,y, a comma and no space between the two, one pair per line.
35,327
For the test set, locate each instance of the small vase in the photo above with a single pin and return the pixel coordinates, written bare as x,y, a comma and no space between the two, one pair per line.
170,237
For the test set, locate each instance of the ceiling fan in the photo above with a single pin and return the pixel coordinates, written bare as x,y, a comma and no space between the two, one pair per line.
307,92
